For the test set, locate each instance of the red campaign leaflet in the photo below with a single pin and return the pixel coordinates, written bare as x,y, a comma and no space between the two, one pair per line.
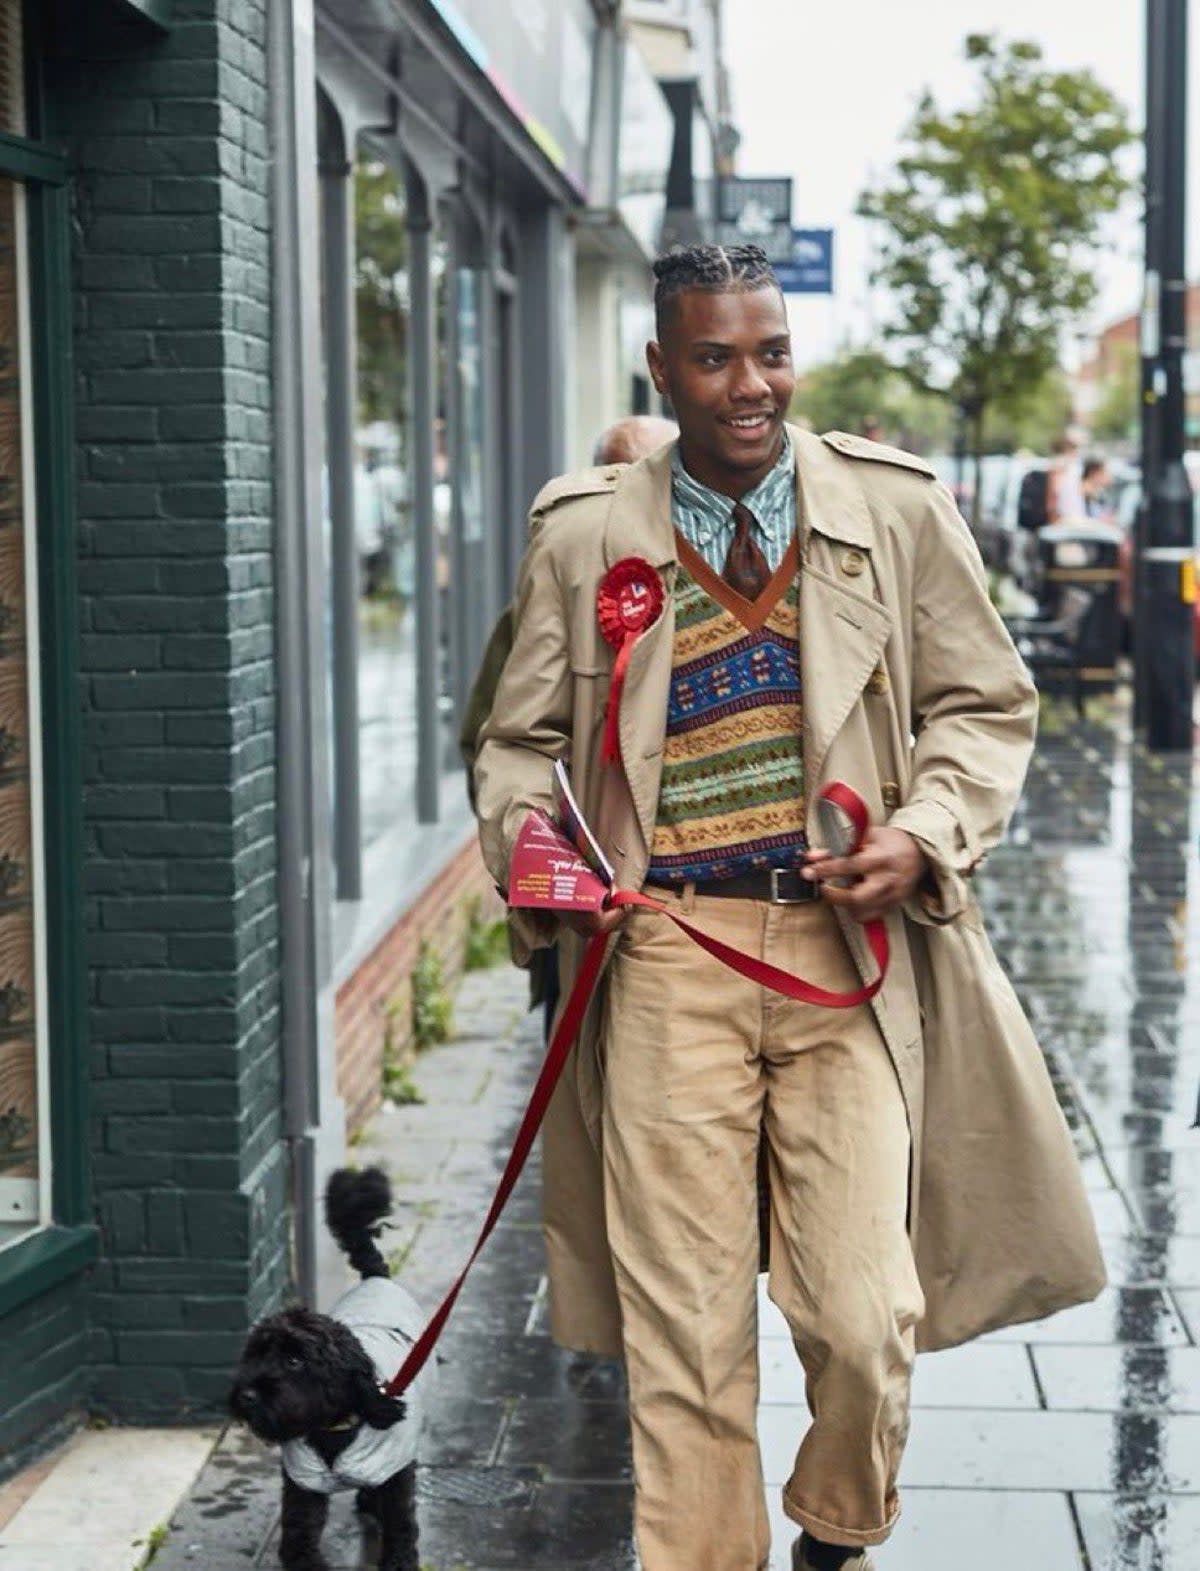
573,824
547,873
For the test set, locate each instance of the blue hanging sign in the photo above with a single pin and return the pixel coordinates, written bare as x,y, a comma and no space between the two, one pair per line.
810,268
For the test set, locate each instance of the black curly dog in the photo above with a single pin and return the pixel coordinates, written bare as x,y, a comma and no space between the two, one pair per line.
305,1376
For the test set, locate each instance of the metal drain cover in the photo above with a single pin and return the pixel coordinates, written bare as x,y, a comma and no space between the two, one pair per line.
464,1486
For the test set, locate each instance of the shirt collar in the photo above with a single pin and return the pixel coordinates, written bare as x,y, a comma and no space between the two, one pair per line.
714,507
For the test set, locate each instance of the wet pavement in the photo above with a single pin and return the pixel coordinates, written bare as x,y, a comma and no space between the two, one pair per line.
1073,1444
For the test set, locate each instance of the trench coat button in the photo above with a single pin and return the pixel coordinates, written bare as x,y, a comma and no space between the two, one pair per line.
890,792
878,682
853,563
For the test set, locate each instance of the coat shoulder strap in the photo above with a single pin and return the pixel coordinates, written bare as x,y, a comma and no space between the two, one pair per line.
585,482
877,453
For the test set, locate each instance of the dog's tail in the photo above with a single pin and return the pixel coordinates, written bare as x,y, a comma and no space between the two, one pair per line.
355,1205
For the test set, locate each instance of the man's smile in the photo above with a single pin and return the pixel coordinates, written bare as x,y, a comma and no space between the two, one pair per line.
753,425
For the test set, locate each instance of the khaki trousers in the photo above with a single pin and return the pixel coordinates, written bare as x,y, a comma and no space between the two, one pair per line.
698,1061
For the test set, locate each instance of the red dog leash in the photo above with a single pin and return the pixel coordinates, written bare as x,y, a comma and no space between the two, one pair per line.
561,1042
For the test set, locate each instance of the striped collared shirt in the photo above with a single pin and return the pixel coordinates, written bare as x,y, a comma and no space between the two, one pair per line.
705,517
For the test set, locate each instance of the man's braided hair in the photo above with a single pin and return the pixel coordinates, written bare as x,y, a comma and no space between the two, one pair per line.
715,268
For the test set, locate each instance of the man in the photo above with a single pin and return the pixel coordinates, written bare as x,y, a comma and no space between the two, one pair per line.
824,617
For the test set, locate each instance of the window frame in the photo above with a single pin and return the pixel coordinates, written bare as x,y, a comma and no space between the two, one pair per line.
58,1248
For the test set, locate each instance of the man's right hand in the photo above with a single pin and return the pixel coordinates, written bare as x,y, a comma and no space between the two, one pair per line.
590,923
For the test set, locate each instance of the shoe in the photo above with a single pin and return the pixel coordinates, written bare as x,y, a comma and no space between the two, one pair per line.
810,1555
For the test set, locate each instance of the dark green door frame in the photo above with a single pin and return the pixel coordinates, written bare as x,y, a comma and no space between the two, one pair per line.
33,1265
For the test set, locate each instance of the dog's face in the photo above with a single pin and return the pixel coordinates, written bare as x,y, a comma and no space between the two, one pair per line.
301,1372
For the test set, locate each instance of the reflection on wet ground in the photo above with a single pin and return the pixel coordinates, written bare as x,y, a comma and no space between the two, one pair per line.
1071,1445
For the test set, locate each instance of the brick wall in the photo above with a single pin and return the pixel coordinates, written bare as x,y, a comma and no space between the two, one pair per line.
167,136
43,1363
378,997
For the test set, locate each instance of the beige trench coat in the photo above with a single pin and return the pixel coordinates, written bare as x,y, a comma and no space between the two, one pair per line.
914,695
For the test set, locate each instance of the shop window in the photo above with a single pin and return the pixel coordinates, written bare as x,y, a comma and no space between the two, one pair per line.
472,598
383,510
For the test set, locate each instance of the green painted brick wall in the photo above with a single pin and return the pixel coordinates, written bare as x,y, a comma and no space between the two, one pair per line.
44,1358
167,136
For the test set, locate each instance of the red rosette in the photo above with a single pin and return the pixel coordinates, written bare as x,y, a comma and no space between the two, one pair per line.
629,600
630,597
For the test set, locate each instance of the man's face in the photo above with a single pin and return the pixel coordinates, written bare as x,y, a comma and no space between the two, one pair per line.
725,362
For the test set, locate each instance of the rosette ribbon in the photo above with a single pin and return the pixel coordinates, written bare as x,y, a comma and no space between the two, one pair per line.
629,599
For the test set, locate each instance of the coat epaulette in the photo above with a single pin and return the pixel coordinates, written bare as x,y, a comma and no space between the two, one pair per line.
584,482
878,452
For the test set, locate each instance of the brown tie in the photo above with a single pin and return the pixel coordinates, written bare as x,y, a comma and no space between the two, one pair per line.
745,571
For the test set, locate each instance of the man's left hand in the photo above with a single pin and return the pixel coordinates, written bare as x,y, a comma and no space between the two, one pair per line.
886,871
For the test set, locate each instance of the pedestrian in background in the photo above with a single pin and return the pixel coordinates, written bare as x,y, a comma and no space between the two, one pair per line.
1097,488
1065,498
824,616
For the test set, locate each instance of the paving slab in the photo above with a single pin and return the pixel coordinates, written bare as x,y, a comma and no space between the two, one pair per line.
108,1495
1120,1379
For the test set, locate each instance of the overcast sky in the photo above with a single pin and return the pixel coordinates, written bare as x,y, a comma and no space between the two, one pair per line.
821,93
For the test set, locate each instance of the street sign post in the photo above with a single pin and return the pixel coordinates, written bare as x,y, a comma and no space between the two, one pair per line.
809,269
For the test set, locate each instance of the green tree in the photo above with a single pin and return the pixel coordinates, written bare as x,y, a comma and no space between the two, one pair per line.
989,225
860,389
1033,418
1116,416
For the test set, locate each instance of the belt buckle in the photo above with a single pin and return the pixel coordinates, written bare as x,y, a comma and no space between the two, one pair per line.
783,900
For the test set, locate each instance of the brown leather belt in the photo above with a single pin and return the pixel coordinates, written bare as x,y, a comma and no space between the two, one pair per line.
778,886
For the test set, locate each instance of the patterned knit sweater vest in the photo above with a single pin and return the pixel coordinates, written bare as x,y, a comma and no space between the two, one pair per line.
732,794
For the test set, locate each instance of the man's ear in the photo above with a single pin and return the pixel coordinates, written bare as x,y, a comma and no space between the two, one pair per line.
657,364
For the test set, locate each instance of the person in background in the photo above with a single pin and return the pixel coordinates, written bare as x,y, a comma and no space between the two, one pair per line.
637,436
1065,493
625,442
1097,488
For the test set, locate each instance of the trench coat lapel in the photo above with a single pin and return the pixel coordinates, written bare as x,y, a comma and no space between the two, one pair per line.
639,524
843,631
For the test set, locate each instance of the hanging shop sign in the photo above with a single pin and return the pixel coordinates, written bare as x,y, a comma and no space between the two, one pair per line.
809,269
